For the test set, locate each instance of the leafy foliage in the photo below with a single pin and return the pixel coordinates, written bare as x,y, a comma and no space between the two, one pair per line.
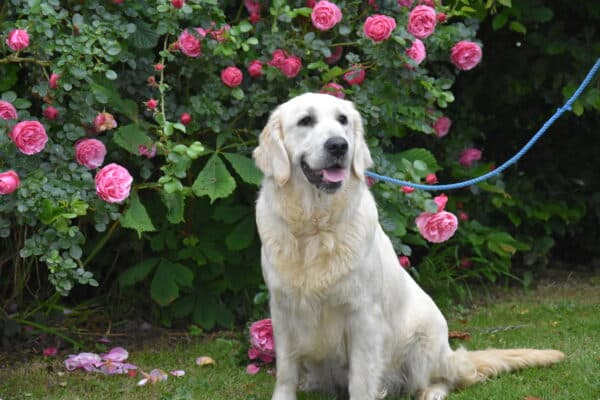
189,237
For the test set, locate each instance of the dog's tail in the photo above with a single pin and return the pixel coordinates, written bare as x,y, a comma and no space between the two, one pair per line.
469,367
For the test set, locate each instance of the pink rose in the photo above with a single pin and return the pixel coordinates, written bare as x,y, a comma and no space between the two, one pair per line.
254,18
333,89
465,55
278,58
18,39
463,216
7,110
177,3
254,353
291,66
90,153
437,227
50,113
421,22
148,152
252,6
9,182
441,201
408,189
185,118
441,18
379,27
431,179
255,68
29,136
219,34
468,156
311,3
355,76
261,336
405,3
232,76
152,104
417,51
442,126
53,81
104,122
189,44
113,183
336,54
159,67
325,15
404,261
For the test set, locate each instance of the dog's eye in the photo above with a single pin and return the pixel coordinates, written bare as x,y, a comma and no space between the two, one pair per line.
306,121
342,119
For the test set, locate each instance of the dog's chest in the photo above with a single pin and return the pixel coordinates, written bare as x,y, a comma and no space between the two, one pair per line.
321,327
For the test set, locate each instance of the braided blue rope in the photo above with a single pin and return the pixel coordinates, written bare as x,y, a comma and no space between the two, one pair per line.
514,159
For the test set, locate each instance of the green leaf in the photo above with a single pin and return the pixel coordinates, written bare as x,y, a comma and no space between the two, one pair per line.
138,272
144,37
110,74
505,3
245,168
214,180
8,76
130,137
242,235
175,203
136,217
169,277
415,154
237,93
499,20
517,27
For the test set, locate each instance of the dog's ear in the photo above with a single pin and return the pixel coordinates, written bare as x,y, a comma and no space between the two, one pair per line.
361,158
270,155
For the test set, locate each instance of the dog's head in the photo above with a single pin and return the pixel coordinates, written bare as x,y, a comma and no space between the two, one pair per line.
317,136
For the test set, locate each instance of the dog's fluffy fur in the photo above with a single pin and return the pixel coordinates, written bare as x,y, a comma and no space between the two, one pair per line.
345,315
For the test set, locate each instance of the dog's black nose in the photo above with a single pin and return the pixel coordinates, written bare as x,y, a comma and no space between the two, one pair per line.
336,146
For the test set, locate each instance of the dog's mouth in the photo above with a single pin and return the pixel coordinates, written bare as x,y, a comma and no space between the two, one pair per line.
328,179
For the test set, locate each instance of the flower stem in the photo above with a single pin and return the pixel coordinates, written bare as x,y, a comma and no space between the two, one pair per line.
102,242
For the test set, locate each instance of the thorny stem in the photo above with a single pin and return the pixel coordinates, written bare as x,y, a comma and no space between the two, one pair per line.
13,58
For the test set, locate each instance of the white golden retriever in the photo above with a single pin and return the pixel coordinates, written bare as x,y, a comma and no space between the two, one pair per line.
345,315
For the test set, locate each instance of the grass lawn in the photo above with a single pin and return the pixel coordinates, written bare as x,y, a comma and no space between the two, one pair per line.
560,317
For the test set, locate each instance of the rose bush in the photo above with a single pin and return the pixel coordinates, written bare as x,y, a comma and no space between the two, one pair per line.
161,85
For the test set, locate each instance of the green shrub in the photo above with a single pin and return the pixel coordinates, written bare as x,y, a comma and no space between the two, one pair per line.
185,129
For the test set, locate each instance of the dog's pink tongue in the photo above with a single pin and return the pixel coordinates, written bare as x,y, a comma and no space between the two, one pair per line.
334,175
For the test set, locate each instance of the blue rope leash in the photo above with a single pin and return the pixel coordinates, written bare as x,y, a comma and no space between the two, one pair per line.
514,159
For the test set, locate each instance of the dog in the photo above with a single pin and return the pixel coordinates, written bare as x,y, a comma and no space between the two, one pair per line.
345,315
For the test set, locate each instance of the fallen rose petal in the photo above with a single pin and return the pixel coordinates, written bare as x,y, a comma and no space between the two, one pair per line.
116,354
157,375
252,369
142,382
177,372
50,351
104,340
205,360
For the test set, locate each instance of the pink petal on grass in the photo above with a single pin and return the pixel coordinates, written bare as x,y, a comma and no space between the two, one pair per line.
204,361
117,354
252,369
178,372
142,382
87,361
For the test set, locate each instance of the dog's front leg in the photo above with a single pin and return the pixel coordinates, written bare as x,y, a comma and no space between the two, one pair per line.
365,346
286,382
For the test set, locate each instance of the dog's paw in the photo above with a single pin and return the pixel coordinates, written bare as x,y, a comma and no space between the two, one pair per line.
434,392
